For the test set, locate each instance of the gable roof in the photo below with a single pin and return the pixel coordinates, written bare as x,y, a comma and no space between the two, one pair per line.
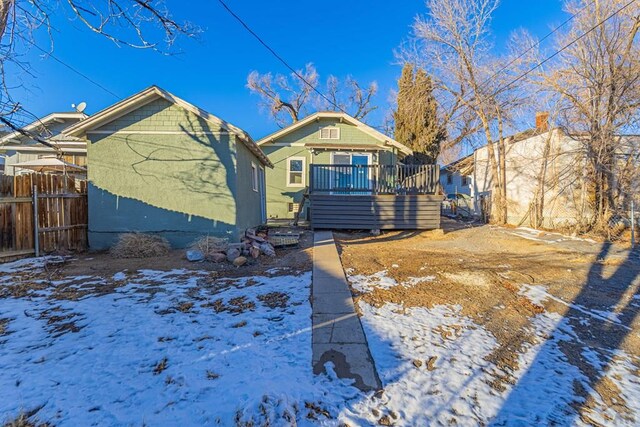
343,117
150,94
42,122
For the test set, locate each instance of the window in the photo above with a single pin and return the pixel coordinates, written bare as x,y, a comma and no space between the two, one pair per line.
254,176
330,133
465,180
449,178
295,172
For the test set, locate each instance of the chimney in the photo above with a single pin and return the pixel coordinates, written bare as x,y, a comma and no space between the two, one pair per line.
542,121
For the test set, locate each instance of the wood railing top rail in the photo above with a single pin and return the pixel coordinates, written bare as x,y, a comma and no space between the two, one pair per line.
373,179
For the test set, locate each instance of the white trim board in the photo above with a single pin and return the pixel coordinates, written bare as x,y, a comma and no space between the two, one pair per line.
303,172
153,132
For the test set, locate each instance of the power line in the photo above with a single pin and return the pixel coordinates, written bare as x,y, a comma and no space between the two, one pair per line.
70,67
278,57
549,34
565,47
556,53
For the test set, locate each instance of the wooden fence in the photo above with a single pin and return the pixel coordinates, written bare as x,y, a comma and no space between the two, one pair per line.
60,207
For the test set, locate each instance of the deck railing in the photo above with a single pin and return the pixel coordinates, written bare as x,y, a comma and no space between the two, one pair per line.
373,179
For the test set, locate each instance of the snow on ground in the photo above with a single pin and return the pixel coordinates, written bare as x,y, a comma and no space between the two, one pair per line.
545,236
538,294
456,390
183,348
167,348
381,280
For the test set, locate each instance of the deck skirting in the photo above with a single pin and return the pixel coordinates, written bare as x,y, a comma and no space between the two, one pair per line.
382,211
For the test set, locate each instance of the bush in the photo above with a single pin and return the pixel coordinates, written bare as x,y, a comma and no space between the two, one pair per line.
140,245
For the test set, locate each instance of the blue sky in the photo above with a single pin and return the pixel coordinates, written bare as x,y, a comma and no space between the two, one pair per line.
340,37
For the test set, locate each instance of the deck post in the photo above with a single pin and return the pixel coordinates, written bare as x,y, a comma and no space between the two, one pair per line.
36,233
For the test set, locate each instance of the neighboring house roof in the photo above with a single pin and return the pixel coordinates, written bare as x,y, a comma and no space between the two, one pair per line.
463,165
152,93
344,117
37,125
49,164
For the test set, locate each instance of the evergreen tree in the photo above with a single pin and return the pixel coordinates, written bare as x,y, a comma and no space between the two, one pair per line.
416,118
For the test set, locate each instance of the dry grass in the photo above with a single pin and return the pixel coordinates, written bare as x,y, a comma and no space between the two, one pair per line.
210,245
3,326
26,419
140,245
161,366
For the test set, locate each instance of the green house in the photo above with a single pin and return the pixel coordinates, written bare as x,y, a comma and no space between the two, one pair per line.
348,147
157,164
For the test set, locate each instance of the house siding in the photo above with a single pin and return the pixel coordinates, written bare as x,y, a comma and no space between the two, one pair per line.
279,194
564,193
248,213
179,185
13,157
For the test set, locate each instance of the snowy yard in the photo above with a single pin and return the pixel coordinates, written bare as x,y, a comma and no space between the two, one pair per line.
457,336
483,326
159,348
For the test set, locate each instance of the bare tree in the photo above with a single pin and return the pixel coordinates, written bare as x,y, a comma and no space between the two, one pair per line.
452,43
285,97
143,24
288,98
597,86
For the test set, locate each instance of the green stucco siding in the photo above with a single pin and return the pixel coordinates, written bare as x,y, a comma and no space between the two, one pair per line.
248,206
180,182
279,194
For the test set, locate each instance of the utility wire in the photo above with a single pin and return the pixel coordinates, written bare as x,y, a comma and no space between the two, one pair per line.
549,34
556,53
70,67
278,57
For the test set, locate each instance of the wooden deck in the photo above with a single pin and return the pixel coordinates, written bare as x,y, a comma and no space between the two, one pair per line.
371,197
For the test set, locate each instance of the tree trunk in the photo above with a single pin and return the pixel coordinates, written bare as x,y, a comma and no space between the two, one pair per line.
5,8
496,193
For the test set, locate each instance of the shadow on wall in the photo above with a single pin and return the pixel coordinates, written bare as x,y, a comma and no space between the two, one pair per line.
180,184
111,215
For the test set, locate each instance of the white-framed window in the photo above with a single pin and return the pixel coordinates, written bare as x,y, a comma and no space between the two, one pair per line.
330,132
254,176
295,172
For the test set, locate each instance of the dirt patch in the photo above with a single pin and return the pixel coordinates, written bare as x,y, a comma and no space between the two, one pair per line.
287,261
484,269
72,278
274,299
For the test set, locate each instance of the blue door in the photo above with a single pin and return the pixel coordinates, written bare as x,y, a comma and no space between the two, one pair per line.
351,173
360,173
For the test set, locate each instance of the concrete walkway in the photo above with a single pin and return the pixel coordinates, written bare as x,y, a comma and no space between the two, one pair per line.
337,333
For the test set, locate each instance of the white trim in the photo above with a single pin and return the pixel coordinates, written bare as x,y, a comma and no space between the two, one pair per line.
254,177
303,172
42,122
329,129
153,132
343,118
148,95
40,149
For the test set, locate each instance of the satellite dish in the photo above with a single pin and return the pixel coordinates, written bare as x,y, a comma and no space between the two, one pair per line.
80,107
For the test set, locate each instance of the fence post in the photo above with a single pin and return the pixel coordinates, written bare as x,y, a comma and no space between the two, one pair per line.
36,234
633,225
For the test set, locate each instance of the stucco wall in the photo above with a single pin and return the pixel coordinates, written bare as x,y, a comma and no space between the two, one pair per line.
279,194
248,206
563,183
165,171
